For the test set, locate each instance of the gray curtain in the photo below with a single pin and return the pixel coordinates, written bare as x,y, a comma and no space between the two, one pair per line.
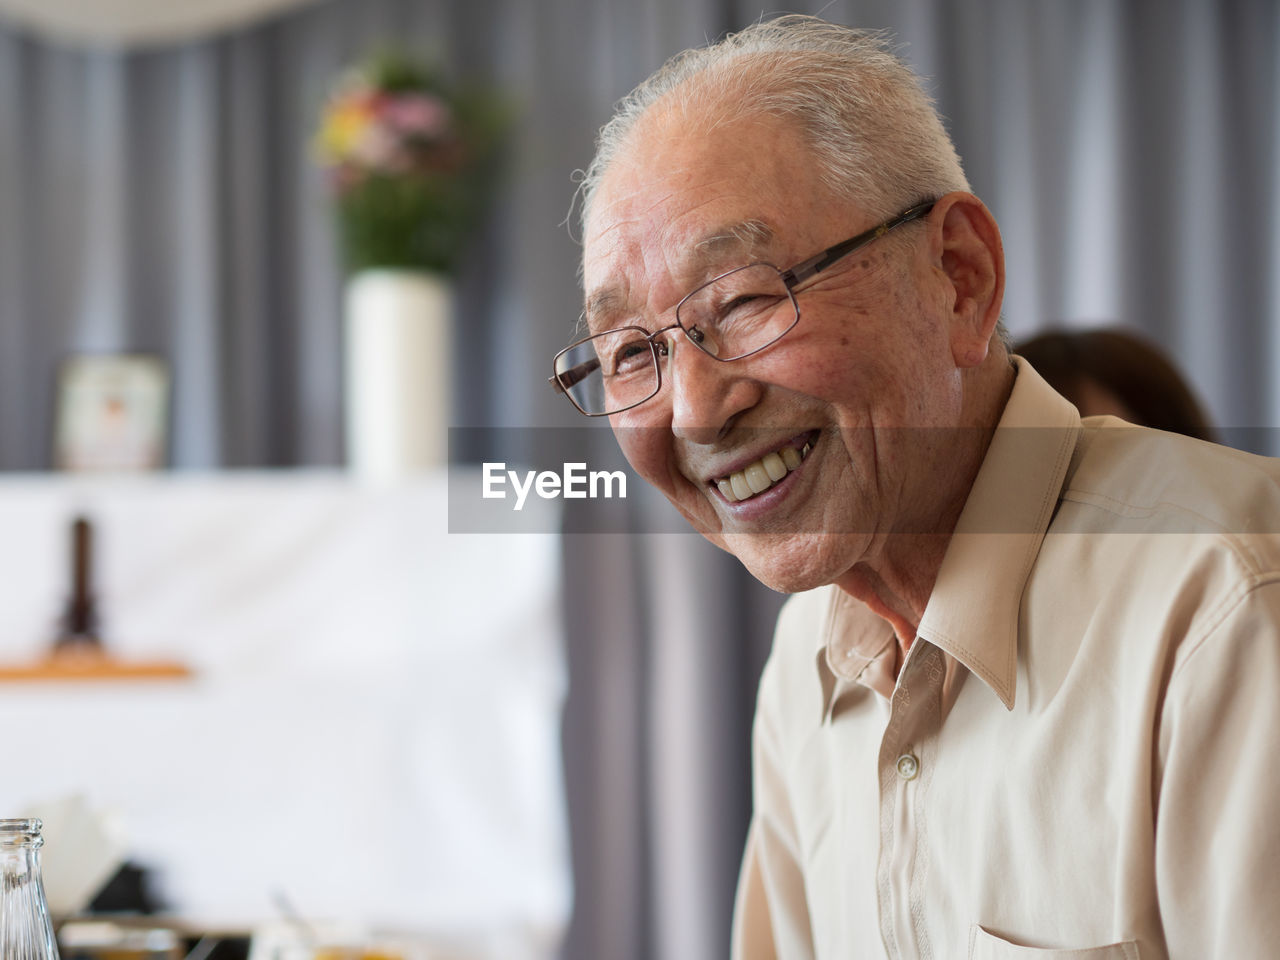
164,200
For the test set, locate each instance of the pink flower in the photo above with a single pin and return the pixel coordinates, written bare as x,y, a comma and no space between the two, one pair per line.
417,114
378,148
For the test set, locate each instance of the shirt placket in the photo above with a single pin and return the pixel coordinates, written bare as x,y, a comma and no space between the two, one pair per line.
907,751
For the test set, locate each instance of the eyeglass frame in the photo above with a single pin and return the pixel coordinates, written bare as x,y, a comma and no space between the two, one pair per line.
791,278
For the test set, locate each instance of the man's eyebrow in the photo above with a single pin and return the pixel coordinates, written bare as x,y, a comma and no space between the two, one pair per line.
599,304
744,238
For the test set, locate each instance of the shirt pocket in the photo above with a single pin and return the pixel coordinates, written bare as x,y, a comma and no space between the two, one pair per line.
986,946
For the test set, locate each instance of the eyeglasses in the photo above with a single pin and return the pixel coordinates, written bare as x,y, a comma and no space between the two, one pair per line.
730,317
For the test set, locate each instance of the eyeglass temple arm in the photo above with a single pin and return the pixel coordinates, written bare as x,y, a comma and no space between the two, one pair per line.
561,382
816,264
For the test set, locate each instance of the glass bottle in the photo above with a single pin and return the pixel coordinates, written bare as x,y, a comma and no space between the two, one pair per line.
26,933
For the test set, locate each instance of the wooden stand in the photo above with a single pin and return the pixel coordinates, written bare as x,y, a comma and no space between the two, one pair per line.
92,664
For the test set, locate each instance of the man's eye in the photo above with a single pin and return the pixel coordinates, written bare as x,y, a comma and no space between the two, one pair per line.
746,307
740,301
630,356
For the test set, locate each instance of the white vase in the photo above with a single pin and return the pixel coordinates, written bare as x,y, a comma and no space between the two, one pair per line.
398,366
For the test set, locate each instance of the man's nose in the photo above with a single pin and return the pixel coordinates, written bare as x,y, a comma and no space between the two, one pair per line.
707,395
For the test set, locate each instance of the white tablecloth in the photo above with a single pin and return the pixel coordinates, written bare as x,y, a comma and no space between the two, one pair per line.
373,724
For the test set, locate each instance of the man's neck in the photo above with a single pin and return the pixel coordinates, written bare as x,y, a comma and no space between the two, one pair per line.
896,581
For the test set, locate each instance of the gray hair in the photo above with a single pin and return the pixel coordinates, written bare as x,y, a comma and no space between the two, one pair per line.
873,131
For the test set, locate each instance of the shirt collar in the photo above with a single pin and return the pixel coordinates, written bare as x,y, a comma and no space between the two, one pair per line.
972,613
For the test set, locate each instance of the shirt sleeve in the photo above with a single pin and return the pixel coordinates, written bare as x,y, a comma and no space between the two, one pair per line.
771,916
1218,781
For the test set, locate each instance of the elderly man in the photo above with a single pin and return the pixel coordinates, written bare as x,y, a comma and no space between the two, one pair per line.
1025,702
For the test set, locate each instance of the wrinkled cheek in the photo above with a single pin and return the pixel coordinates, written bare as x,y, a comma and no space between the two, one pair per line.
646,450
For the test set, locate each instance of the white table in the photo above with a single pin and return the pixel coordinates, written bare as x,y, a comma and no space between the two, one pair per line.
372,727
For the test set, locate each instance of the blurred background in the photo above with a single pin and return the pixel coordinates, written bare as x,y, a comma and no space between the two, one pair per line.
551,729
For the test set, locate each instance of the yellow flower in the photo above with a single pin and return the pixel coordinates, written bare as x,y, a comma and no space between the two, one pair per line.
345,125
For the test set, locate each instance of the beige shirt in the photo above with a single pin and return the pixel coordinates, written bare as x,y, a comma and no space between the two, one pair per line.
1080,757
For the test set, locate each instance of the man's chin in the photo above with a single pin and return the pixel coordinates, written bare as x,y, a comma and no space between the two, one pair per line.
789,563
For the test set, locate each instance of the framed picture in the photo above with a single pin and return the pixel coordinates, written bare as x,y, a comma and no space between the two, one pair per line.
112,413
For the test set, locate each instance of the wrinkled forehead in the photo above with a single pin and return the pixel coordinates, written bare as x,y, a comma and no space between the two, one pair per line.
700,213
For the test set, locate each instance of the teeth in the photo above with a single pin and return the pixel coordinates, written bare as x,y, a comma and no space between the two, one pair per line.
764,473
774,466
757,477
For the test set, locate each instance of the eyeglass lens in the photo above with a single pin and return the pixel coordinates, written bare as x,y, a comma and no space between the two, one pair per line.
610,371
731,316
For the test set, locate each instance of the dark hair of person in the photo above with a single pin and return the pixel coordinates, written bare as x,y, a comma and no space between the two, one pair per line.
1133,370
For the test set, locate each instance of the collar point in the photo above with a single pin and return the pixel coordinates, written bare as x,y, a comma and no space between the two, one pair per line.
1006,690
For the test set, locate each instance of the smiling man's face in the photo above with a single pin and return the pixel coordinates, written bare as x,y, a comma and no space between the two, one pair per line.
812,421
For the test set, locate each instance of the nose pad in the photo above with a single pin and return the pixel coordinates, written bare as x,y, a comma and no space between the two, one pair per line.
697,336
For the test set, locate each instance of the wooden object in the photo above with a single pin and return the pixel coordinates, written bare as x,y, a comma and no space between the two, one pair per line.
91,664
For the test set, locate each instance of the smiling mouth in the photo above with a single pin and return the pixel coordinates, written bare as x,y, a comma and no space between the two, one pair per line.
757,477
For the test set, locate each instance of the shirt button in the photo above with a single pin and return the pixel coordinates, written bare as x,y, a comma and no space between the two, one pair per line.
908,766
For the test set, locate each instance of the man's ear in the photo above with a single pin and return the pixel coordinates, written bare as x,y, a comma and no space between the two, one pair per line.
969,253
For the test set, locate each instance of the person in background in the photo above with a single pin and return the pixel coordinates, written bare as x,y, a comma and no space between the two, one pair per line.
1025,701
1113,371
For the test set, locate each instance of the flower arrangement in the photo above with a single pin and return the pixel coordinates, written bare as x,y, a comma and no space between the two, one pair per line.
411,163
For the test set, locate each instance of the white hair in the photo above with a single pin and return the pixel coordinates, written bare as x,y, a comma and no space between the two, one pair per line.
873,131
